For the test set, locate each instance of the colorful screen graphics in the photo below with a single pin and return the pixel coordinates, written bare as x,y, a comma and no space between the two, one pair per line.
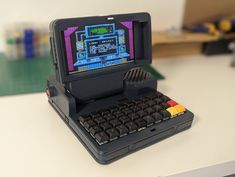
90,47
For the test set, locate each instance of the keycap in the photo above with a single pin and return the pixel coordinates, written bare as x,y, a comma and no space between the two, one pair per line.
101,137
157,116
84,118
129,104
143,105
149,110
88,124
158,101
133,116
105,126
152,96
99,120
137,101
171,103
104,112
149,120
118,113
165,98
95,114
124,119
140,123
131,126
151,103
180,108
95,129
109,117
113,108
115,122
112,132
122,129
165,105
121,106
141,113
127,111
165,114
136,108
157,108
172,111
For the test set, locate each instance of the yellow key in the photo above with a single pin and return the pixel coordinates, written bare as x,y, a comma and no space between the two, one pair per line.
172,111
180,108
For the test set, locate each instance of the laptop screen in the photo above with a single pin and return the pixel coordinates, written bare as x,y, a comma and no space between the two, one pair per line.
96,46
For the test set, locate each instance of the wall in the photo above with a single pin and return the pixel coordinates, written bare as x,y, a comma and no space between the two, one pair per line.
165,13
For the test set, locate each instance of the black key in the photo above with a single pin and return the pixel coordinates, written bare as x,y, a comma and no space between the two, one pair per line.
112,132
88,124
127,111
115,122
157,108
124,119
136,108
129,104
151,103
151,97
149,110
144,99
109,117
165,114
114,108
143,105
140,123
137,101
99,120
133,116
95,129
141,113
131,126
165,98
95,114
105,112
101,137
118,113
149,120
165,105
157,116
121,106
105,126
122,129
158,101
84,118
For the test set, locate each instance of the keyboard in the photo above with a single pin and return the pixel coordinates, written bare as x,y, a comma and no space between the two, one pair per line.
130,116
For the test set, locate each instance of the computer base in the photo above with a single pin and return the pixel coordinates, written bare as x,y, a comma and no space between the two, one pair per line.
107,153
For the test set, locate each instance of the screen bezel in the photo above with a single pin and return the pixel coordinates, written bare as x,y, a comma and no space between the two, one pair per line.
58,47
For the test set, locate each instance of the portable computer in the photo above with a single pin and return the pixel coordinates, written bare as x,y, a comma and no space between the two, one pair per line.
100,89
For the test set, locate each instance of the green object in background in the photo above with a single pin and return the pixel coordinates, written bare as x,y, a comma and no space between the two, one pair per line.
154,72
24,76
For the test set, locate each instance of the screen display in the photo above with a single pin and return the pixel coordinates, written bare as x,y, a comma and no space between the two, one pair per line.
95,46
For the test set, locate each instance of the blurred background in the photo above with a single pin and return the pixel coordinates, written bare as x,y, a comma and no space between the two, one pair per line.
180,28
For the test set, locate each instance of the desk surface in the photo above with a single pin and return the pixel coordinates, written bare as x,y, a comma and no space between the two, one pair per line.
35,142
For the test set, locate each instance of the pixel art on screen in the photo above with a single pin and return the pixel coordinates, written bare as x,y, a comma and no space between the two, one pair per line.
97,46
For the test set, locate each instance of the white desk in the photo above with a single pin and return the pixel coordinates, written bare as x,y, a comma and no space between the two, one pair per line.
34,141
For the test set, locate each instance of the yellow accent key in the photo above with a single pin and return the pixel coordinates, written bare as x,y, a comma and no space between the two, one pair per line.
180,108
172,111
